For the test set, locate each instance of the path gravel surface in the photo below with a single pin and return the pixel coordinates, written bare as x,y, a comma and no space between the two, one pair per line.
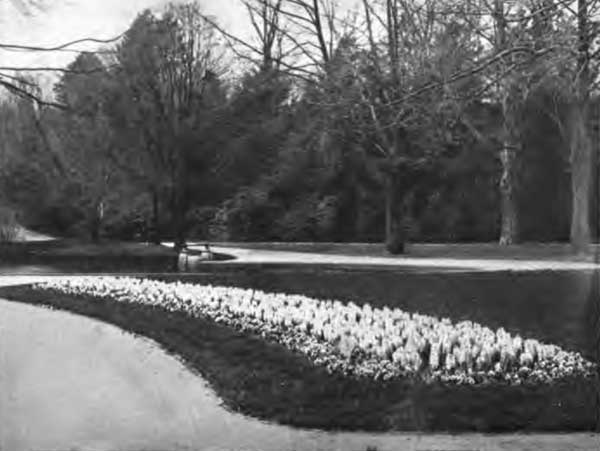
259,256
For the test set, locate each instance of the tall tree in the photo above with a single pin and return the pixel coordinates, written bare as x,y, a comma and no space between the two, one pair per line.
510,140
581,147
85,138
169,67
405,79
570,72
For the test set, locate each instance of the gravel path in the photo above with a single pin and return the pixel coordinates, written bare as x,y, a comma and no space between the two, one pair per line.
30,235
259,256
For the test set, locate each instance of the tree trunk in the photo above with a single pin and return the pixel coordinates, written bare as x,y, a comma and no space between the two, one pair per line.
510,140
180,200
179,182
581,146
508,207
180,241
95,232
96,222
177,219
394,236
581,178
155,224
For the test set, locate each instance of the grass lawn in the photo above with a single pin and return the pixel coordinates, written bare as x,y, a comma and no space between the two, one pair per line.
267,381
76,255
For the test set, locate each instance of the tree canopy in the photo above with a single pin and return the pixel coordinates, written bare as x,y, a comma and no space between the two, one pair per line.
429,120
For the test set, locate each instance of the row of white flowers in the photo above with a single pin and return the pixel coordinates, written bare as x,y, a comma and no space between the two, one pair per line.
348,338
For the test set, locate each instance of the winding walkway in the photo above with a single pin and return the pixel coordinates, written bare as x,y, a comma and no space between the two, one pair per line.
260,256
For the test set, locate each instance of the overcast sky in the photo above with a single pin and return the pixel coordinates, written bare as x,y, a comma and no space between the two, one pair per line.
65,20
60,21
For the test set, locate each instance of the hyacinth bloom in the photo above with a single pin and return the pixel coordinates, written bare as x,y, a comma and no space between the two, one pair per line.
357,340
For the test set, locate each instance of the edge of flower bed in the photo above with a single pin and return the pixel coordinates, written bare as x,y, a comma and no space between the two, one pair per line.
266,380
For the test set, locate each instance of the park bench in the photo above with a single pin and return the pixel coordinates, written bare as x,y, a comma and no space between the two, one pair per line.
186,256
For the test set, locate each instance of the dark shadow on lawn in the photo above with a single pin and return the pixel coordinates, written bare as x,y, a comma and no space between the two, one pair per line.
69,255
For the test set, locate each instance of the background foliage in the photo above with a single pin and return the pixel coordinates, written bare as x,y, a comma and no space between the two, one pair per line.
157,139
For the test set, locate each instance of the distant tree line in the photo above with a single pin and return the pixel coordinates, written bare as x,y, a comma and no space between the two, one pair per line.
428,120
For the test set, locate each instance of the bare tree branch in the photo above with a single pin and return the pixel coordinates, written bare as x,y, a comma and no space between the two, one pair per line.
33,48
54,69
306,74
474,70
12,87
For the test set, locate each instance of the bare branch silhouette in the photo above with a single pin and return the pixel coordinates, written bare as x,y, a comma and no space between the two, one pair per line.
33,48
22,92
52,69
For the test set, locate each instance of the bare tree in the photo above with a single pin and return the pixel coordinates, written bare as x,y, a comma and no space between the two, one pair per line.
581,147
297,36
527,48
16,80
394,68
316,20
265,16
510,141
570,28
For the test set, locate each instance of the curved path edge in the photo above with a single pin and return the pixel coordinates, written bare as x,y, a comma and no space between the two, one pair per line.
260,256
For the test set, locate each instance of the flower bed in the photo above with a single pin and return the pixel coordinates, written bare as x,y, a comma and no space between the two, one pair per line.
356,341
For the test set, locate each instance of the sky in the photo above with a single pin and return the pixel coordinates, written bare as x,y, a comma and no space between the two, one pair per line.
64,20
60,21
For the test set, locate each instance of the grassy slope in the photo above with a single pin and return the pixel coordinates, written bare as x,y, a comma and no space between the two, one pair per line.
267,381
